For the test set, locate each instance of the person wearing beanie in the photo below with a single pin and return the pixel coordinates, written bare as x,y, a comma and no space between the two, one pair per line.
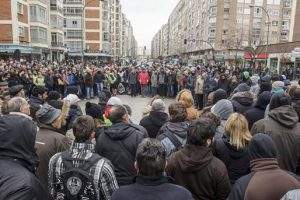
258,111
218,95
74,110
278,87
242,99
265,86
282,124
266,180
156,119
48,140
223,109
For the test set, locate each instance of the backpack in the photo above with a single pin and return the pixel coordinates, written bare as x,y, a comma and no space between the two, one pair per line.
178,145
77,183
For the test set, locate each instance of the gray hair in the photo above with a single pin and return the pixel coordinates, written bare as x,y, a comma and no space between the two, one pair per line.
15,104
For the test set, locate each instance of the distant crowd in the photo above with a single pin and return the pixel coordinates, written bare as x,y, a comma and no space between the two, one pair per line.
230,133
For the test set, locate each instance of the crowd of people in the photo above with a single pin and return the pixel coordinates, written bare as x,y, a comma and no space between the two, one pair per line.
228,134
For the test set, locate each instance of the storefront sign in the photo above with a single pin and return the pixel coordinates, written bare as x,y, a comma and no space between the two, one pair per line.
250,56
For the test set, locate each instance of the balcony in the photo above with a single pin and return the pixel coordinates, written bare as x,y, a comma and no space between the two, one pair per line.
56,8
57,44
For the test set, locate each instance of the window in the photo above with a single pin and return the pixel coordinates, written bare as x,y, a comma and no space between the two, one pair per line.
74,22
38,35
20,8
74,34
21,31
38,14
274,23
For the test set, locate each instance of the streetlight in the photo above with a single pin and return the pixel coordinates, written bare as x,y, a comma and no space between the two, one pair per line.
268,33
82,24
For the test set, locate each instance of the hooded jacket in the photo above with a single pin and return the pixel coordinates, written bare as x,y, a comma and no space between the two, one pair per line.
266,180
196,169
119,144
258,111
242,101
179,130
236,160
153,122
282,124
18,159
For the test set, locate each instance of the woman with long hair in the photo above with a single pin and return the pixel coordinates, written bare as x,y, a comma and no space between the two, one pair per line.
232,148
186,98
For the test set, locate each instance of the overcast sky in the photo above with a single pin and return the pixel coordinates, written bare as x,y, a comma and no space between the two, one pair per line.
147,16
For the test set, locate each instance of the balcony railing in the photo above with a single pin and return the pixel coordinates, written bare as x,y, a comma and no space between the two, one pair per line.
56,8
57,44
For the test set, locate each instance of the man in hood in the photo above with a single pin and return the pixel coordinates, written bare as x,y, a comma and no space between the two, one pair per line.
282,124
194,166
242,99
119,143
156,119
18,158
266,180
173,133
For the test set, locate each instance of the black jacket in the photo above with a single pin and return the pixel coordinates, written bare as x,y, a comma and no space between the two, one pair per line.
236,160
18,159
152,188
153,122
119,144
242,101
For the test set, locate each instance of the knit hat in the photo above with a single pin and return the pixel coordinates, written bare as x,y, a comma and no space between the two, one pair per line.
254,79
277,87
114,101
14,90
243,87
158,105
93,110
265,86
47,114
222,109
262,146
72,98
218,95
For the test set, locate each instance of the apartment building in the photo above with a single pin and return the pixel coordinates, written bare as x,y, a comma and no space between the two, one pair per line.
14,27
228,26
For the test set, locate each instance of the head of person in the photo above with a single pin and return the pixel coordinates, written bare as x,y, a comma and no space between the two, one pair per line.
218,95
95,111
215,118
18,104
40,92
128,108
158,105
223,109
237,130
49,116
17,91
278,87
210,99
261,147
118,114
201,132
263,100
279,99
265,86
53,95
185,97
84,129
110,103
177,112
150,158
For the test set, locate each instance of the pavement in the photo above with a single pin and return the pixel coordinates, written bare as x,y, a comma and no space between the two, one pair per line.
137,105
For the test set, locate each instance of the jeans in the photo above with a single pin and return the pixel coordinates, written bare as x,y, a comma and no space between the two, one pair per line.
144,89
89,92
170,90
99,88
153,91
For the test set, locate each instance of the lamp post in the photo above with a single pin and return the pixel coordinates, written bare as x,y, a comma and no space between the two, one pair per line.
82,26
268,33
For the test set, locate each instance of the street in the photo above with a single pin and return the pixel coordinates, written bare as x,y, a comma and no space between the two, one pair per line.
137,105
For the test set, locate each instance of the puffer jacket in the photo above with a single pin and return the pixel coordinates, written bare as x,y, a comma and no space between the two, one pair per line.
119,144
242,102
282,124
179,130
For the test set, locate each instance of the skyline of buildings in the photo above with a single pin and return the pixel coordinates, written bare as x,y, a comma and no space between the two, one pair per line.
227,26
51,29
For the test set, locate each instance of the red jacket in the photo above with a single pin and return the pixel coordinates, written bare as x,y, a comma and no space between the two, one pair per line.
144,78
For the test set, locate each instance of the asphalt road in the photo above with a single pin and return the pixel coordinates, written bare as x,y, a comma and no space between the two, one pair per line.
137,105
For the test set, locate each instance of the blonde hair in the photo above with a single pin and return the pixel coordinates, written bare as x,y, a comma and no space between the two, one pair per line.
185,96
237,129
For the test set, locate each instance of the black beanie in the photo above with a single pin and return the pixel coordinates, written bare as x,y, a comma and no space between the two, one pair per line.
262,146
219,94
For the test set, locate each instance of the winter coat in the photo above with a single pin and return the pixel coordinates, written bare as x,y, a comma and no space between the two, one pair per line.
171,79
48,143
220,131
199,85
119,144
88,80
237,161
224,85
132,78
152,188
18,159
161,78
179,130
99,77
196,169
282,124
71,79
144,78
49,82
242,102
153,122
191,81
35,104
296,106
154,80
209,85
